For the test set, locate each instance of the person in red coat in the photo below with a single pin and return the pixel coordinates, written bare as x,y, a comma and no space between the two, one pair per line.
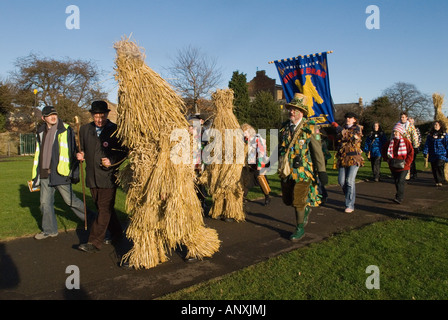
399,154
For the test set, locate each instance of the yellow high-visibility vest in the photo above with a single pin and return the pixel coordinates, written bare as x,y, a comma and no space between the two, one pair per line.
63,167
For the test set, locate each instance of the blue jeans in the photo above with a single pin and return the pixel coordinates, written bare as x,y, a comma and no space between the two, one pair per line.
49,223
346,180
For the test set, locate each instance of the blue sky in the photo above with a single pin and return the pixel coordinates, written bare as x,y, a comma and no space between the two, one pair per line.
410,46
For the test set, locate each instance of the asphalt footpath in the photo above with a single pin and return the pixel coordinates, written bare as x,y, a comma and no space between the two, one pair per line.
45,269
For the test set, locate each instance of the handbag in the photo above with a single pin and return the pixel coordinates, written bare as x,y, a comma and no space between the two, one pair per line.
284,170
396,163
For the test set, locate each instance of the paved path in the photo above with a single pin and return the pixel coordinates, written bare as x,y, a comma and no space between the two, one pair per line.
31,269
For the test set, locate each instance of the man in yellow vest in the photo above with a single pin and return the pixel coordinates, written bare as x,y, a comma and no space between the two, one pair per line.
55,168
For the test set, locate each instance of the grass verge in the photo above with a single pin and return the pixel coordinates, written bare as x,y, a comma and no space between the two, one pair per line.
410,254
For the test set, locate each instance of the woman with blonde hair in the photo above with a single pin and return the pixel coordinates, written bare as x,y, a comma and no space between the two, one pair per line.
257,159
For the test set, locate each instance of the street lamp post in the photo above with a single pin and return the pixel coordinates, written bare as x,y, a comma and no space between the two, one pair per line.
35,108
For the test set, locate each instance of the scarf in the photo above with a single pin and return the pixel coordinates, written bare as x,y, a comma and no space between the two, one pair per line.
401,148
48,146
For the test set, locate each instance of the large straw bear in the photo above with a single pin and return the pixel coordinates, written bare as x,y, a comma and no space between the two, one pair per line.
224,177
165,211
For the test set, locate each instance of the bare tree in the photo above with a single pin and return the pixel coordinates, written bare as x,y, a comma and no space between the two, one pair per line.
67,84
194,74
406,97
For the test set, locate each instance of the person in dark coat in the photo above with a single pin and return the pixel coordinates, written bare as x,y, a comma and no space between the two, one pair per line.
436,151
55,168
373,146
103,154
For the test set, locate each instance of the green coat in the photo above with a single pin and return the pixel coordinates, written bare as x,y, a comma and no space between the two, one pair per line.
308,149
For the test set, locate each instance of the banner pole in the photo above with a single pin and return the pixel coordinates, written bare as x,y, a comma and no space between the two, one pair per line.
307,55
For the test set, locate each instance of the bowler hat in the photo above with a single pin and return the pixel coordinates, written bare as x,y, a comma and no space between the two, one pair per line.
197,116
48,110
351,115
99,107
299,101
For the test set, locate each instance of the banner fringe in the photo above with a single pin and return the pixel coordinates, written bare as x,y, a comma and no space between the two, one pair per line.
293,58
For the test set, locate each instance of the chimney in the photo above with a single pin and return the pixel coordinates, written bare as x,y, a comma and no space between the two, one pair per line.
360,102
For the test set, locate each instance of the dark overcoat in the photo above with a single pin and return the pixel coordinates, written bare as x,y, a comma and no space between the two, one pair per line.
106,145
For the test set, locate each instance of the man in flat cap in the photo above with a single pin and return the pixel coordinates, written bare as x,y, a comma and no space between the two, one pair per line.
55,168
103,153
300,142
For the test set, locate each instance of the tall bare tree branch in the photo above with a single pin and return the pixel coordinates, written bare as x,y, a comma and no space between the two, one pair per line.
194,74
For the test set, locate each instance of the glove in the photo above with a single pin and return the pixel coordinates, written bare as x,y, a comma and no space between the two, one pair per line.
323,177
334,124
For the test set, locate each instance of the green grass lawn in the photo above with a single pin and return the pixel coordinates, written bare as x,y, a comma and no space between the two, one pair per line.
20,212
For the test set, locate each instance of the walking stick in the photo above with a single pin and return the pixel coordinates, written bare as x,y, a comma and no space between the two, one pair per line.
82,172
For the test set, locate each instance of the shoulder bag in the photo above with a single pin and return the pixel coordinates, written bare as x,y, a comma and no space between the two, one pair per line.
284,170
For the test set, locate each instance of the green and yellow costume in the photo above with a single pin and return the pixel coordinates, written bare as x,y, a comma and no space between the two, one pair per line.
308,157
307,161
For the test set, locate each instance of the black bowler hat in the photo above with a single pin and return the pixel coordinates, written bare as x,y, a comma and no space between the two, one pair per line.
48,110
197,116
351,115
99,107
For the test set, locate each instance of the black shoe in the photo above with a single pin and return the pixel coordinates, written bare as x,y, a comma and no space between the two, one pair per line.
112,240
125,266
267,201
88,247
397,201
323,201
191,259
229,220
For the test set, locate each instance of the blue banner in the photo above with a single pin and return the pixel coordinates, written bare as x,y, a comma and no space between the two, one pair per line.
309,75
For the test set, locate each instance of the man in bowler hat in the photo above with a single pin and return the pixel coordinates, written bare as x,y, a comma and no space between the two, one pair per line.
103,154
